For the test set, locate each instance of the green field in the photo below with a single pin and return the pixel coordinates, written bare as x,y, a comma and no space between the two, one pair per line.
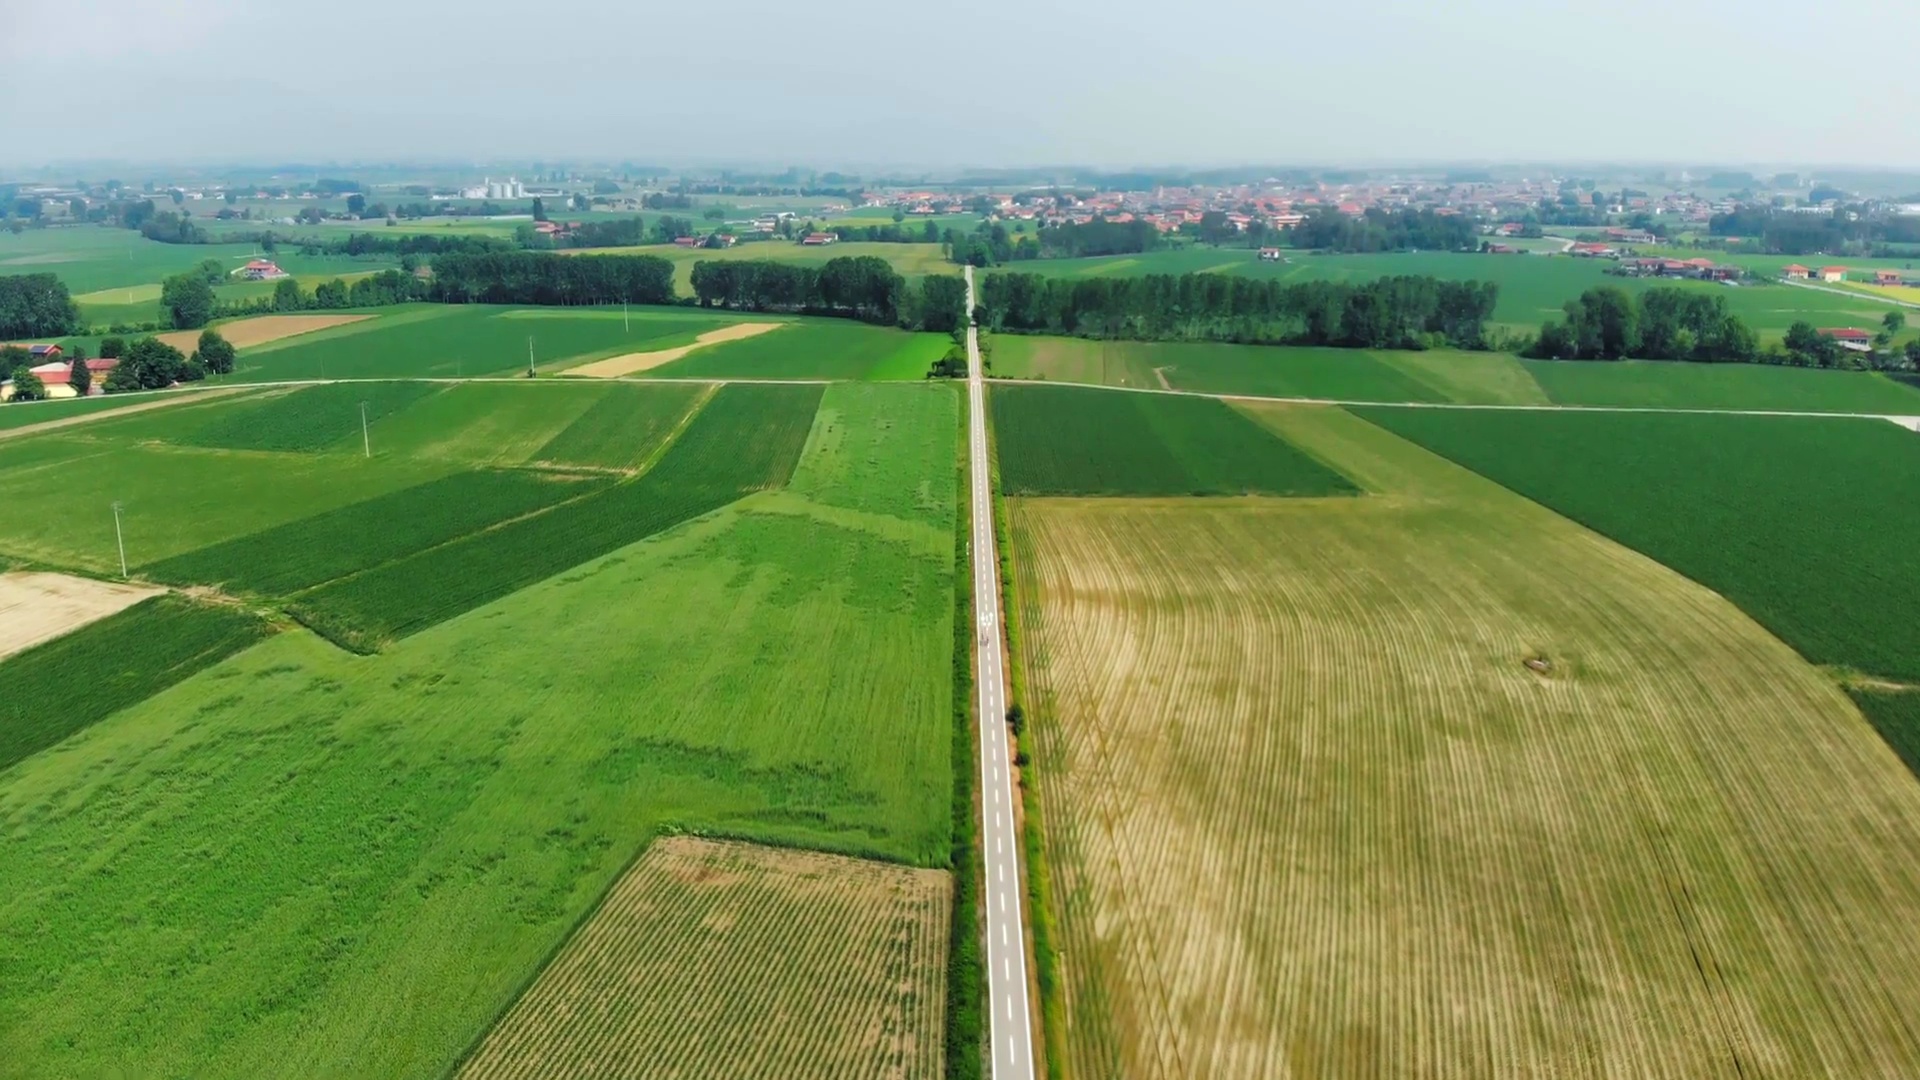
356,863
1798,521
1309,812
177,497
362,535
746,438
1444,375
17,414
51,691
1058,440
1895,714
308,419
622,429
447,341
814,349
1656,384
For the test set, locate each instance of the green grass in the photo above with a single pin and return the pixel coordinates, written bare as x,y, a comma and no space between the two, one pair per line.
746,439
354,863
1056,440
1797,520
78,679
622,428
92,258
815,349
362,535
419,341
16,414
1640,383
308,420
1895,714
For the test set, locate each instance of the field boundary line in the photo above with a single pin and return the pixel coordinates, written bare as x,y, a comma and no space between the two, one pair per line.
1345,403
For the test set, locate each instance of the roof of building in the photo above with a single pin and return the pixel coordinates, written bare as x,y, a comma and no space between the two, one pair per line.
1795,266
1847,333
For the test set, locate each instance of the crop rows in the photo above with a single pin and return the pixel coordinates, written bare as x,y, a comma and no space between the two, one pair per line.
1310,813
731,961
746,439
622,428
74,681
1066,441
1796,520
359,536
309,419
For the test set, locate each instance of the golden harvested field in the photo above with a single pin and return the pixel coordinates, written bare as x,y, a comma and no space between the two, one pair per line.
634,363
260,329
1310,812
36,607
727,960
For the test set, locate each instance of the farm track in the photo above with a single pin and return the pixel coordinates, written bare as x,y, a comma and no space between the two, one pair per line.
715,959
1311,816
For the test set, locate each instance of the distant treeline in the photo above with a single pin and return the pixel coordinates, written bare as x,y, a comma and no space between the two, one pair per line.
36,306
1665,323
1387,313
377,290
865,288
992,245
533,277
891,233
1787,233
1385,230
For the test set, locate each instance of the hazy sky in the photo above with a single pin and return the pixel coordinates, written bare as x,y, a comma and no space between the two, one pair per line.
993,82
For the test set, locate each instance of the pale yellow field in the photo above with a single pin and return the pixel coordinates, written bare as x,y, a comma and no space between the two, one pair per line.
1311,814
37,607
726,960
635,363
260,329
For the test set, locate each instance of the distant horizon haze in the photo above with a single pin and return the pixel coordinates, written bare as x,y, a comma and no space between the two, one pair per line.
1367,84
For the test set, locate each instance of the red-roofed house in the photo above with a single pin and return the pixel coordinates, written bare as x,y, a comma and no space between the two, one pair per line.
1886,277
43,352
686,241
1833,273
57,377
1795,272
1850,338
819,239
1592,251
260,270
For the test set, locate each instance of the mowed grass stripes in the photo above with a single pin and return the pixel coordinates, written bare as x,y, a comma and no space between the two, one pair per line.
307,420
1057,440
74,681
736,962
747,438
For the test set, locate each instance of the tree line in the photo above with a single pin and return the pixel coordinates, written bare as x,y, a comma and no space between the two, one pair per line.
1784,232
1386,313
1386,230
35,306
533,277
1666,323
864,287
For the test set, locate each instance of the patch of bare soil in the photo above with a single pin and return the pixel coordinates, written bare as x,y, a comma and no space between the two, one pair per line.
634,363
37,607
261,329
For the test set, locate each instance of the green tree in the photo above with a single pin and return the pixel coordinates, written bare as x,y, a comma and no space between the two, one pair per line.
287,296
212,271
356,204
539,209
150,364
216,352
28,387
188,300
80,377
1894,322
112,347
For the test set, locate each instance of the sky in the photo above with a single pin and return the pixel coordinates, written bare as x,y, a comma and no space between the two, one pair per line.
992,83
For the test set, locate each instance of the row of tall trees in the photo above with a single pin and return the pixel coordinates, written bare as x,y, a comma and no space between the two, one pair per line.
533,277
864,287
1387,313
36,305
1665,323
1386,230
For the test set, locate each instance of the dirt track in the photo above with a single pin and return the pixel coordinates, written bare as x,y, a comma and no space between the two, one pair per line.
37,607
634,363
158,400
261,329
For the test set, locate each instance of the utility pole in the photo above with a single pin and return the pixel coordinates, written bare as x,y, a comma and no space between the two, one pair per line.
119,540
529,356
365,443
625,324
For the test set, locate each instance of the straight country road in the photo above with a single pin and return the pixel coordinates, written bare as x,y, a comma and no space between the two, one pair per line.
1011,1021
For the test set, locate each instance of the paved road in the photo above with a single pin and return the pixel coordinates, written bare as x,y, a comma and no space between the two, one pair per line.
1012,1028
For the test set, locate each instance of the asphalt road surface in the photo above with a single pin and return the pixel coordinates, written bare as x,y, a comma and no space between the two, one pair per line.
1012,1029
